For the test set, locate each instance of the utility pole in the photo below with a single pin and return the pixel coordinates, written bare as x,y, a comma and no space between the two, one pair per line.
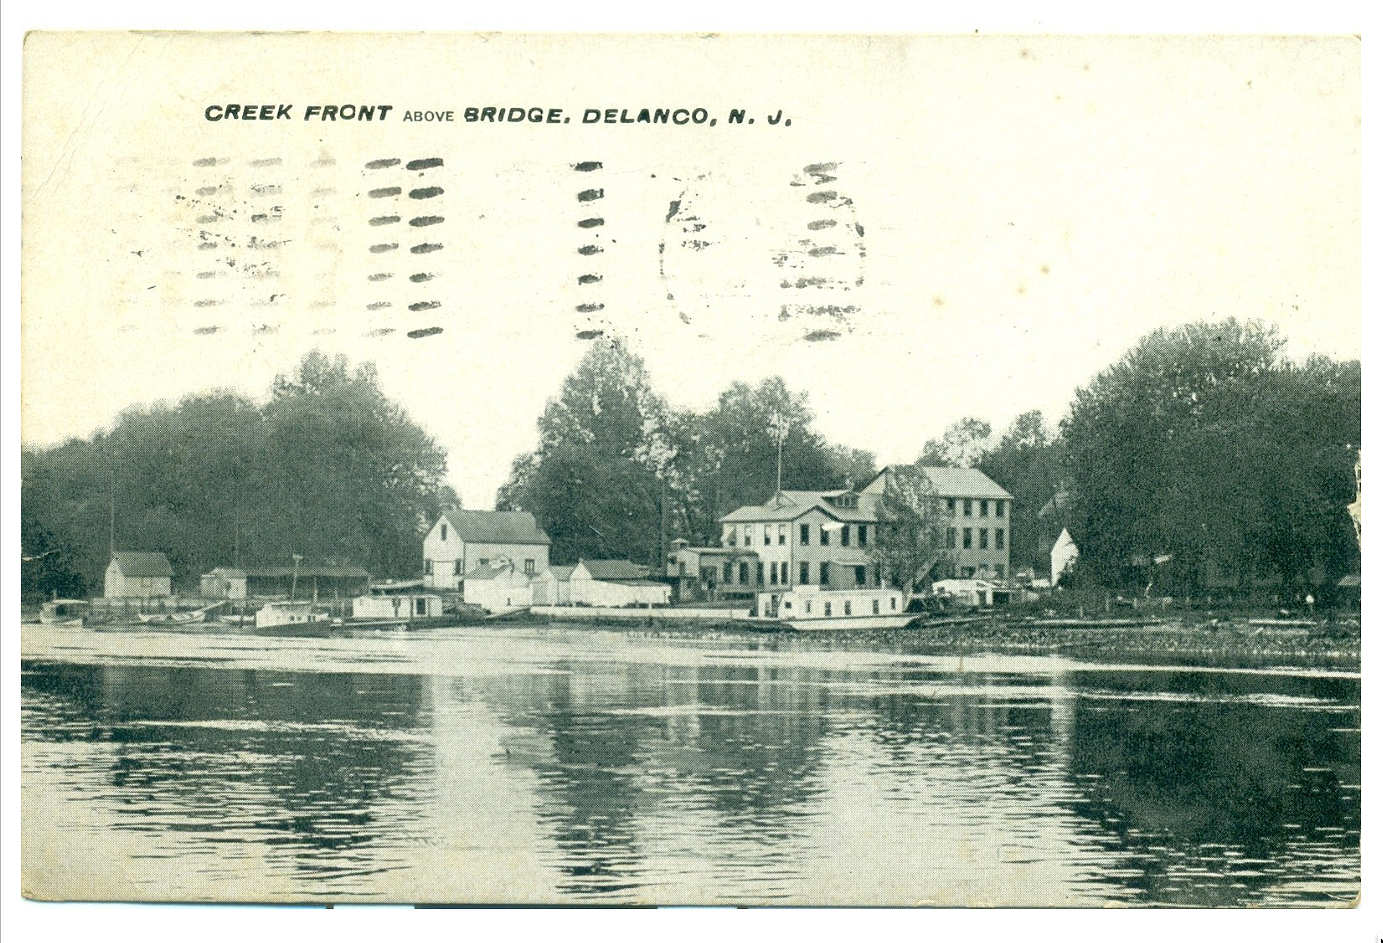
778,426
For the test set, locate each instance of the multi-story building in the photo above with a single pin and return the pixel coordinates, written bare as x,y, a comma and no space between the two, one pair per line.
976,514
461,541
818,538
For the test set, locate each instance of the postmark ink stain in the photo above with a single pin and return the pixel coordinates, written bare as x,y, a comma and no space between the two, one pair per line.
672,209
377,305
587,279
381,276
425,248
206,191
822,196
424,332
425,193
421,277
589,335
589,308
382,192
426,220
382,163
590,250
424,305
591,223
821,335
206,330
821,224
380,332
267,162
586,196
426,163
206,303
823,250
204,162
586,166
384,220
266,189
384,247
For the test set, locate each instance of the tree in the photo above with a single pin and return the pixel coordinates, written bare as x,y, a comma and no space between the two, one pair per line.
1027,462
962,446
910,542
1203,449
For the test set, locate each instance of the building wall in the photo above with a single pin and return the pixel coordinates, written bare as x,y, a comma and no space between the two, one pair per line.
588,592
502,594
446,562
119,586
784,553
987,555
397,606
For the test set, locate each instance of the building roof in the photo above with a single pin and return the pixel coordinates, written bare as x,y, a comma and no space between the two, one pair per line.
227,573
614,570
561,573
790,505
140,563
488,572
955,482
497,527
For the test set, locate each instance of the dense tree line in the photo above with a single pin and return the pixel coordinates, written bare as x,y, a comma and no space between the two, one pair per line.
618,473
327,468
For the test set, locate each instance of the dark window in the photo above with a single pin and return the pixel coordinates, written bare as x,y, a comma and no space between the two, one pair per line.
965,538
950,505
864,536
998,538
893,602
422,606
859,576
847,607
427,567
727,574
456,568
444,531
484,561
876,607
744,574
999,570
950,538
759,572
968,507
804,572
768,534
681,567
984,538
998,509
845,536
984,507
827,609
528,567
825,573
825,536
782,534
805,534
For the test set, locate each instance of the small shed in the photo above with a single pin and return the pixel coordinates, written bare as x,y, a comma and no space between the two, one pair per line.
499,588
135,574
616,583
224,582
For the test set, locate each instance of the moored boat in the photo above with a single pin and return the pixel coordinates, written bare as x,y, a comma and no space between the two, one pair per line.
289,612
69,612
811,609
189,617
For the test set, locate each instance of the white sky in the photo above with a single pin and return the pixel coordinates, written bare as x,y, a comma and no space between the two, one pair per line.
1030,208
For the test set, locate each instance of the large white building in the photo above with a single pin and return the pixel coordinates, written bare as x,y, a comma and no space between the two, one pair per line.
462,541
138,575
977,513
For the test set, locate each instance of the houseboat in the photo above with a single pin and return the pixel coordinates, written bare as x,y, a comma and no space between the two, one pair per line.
288,612
71,612
811,609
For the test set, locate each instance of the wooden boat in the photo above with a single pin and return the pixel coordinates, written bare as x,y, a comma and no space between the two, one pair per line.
69,612
809,609
289,613
191,617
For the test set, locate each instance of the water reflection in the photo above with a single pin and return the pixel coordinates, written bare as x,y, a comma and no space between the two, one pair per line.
613,767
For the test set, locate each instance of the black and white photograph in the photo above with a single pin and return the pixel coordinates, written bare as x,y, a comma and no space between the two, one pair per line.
690,470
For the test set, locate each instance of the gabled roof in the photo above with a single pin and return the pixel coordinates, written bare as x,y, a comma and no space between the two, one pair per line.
614,570
322,570
139,563
953,482
790,505
492,572
561,573
496,527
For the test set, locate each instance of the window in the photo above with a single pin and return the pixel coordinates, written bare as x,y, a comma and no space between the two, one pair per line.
968,507
484,561
456,568
759,572
845,536
876,607
427,567
421,606
681,567
965,538
727,573
748,534
826,609
825,536
804,534
444,531
782,534
731,536
999,570
528,566
859,576
950,505
744,574
998,538
768,534
804,572
967,572
998,508
825,573
809,605
984,507
950,538
893,602
847,607
984,538
864,536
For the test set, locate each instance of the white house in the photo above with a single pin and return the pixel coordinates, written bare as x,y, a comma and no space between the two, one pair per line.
499,587
552,587
136,575
615,583
462,541
224,582
1065,553
401,600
